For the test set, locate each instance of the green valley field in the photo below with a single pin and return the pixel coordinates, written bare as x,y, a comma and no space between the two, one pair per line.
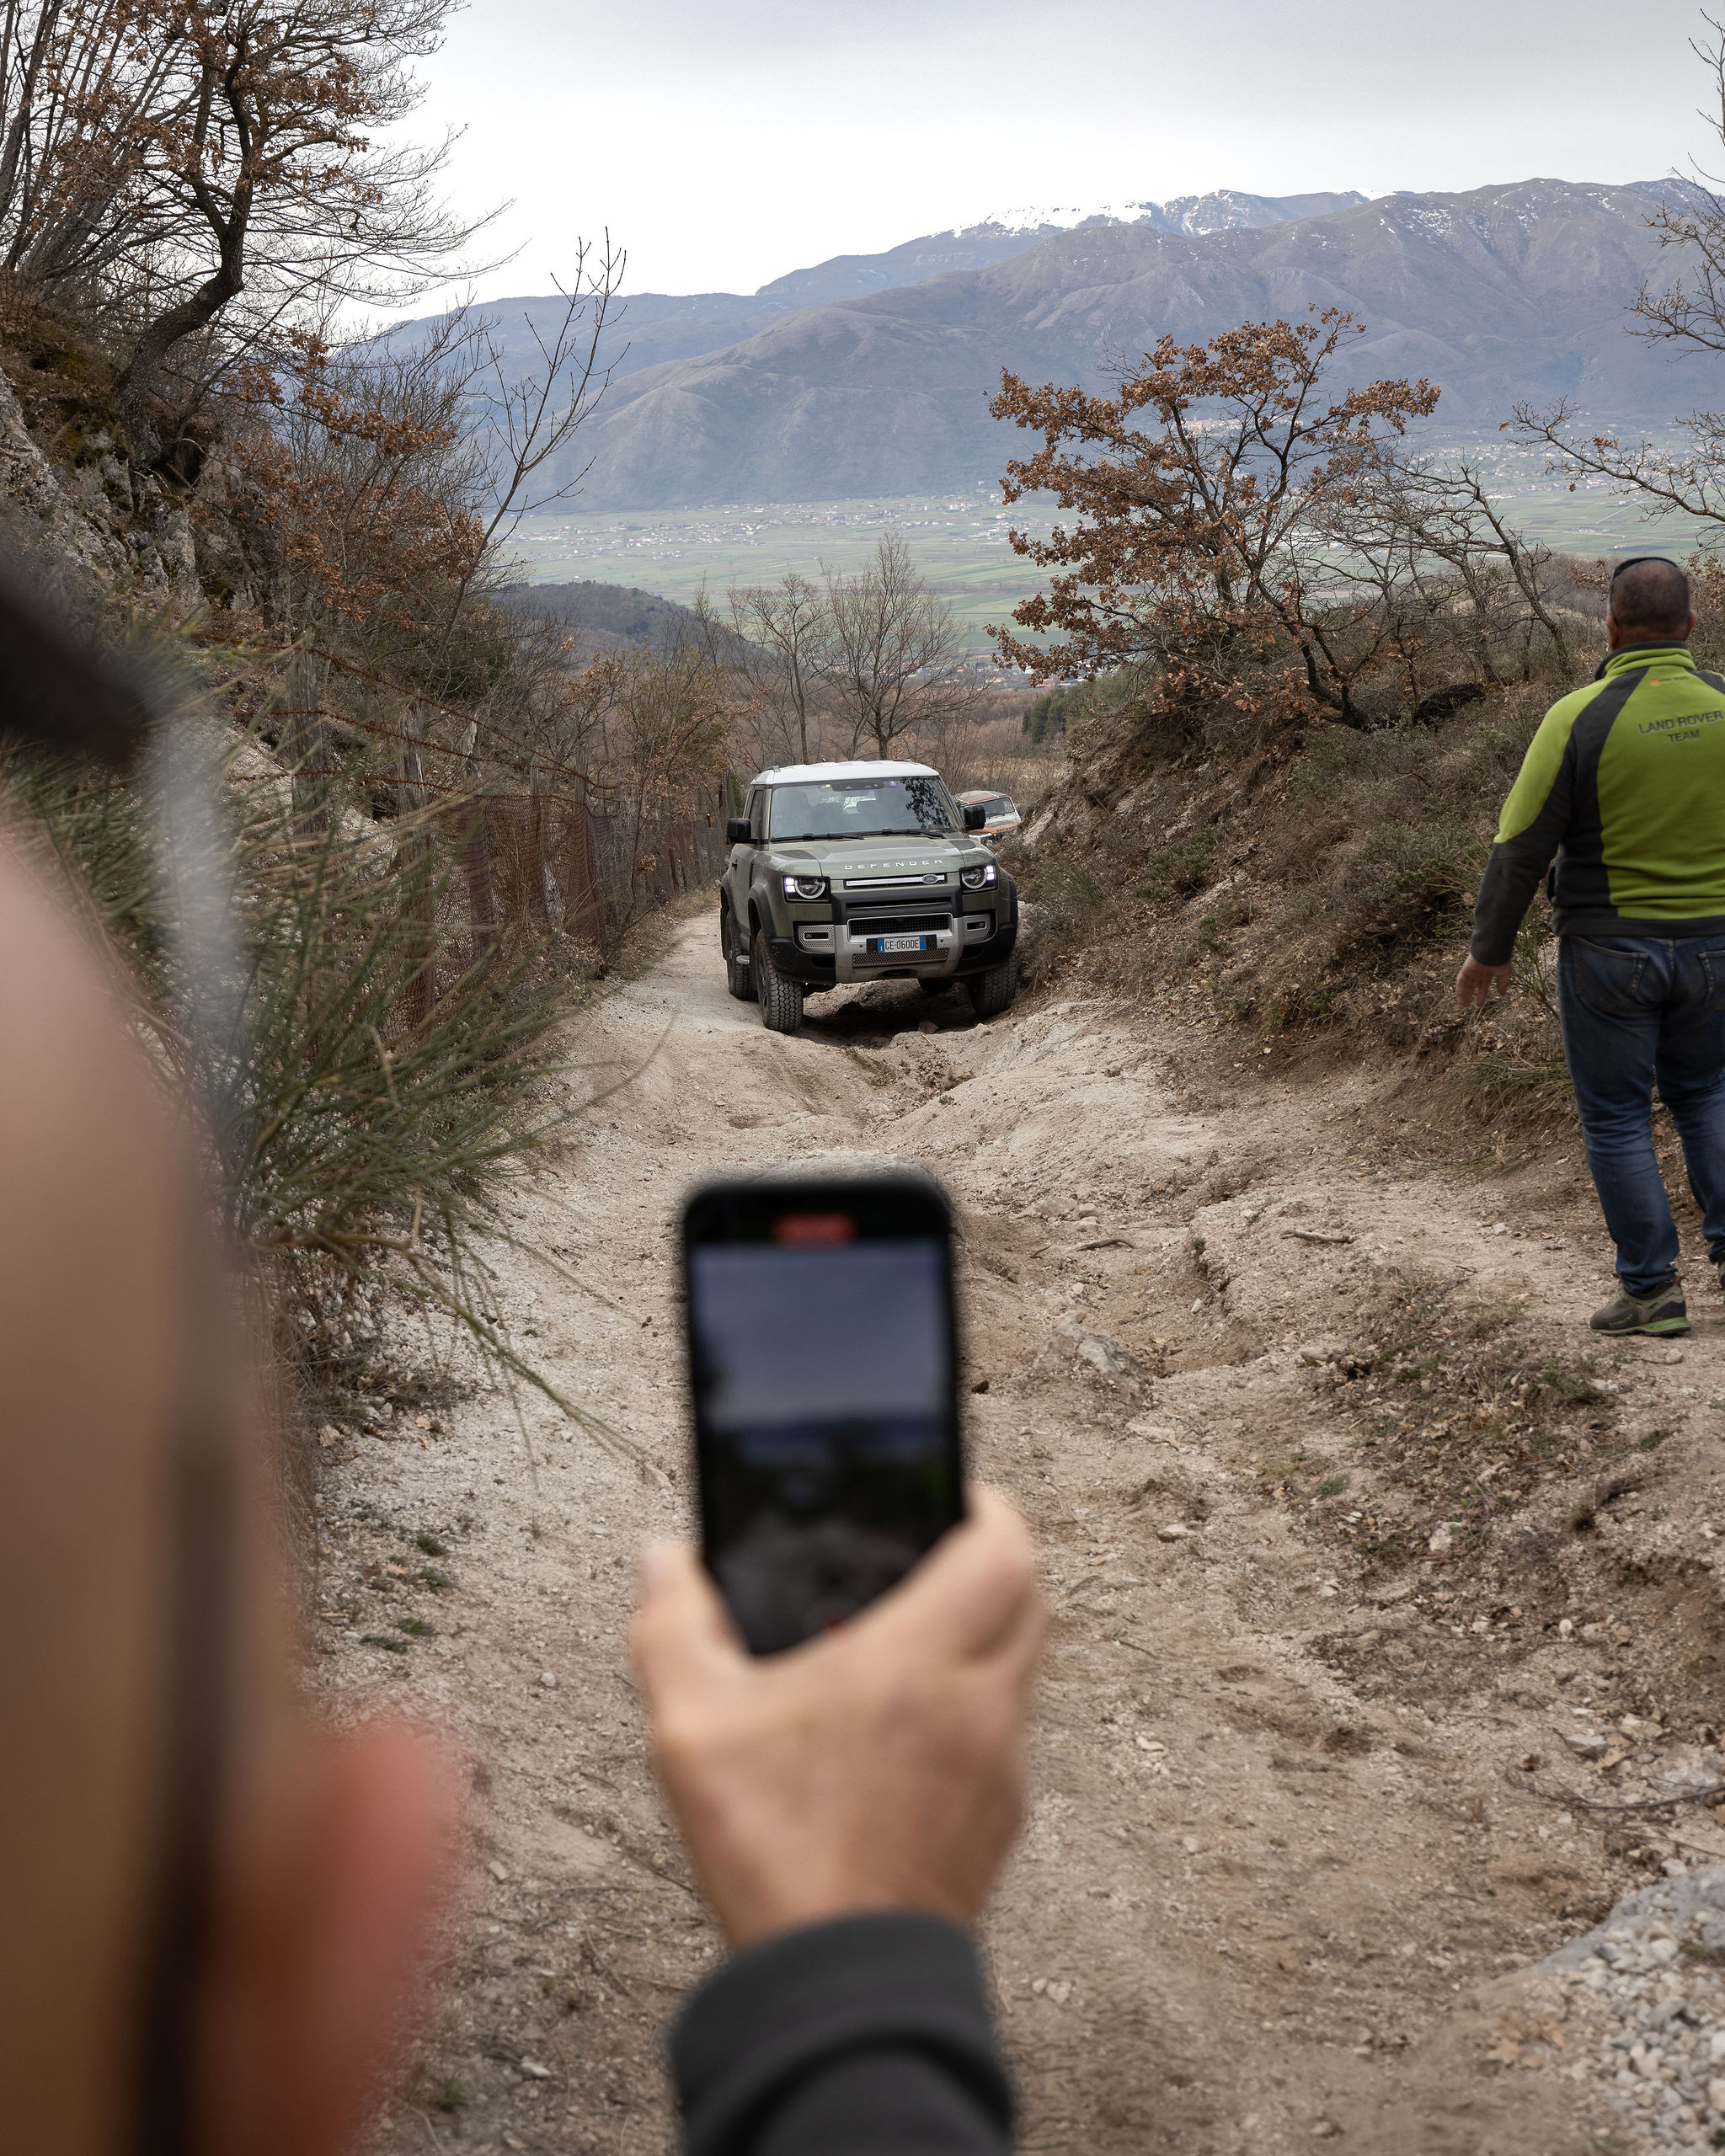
959,539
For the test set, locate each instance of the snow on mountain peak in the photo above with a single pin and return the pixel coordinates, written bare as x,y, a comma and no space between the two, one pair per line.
1226,209
1063,217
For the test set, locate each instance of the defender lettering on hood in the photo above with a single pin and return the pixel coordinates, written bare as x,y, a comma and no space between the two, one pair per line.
841,874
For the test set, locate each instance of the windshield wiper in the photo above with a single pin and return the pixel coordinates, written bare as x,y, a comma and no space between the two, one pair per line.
836,838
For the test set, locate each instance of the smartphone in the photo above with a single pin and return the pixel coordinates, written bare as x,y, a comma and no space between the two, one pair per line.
823,1363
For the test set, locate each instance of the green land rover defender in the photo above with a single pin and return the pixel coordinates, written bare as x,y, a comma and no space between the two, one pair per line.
861,871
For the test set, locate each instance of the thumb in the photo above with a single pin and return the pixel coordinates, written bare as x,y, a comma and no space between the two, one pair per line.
682,1635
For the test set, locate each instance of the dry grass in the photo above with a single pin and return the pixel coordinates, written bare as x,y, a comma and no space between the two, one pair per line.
1318,887
366,1133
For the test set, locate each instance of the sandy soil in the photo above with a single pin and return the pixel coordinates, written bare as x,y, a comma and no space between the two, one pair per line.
1353,1569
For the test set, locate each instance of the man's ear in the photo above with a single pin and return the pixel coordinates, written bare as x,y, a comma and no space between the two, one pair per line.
336,1882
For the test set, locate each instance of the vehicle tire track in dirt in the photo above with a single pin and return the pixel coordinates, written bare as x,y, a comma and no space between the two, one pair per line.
1282,1850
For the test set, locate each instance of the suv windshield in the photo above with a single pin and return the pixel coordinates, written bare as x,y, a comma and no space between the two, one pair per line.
876,808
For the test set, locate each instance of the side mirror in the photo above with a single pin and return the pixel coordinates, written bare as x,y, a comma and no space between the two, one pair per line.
736,830
975,815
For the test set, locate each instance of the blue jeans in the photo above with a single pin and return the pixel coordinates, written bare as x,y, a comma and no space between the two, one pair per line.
1636,1008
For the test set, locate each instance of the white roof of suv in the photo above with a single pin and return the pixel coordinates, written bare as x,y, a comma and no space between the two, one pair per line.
802,773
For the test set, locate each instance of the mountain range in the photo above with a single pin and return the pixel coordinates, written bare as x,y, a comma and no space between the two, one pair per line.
978,247
858,387
655,327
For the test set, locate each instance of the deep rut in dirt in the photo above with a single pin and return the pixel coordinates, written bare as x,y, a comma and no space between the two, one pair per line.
1305,1441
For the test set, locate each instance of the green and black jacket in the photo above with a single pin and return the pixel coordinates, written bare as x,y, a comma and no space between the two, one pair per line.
1624,783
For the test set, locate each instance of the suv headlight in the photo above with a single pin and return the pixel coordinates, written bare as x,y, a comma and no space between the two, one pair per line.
805,887
976,879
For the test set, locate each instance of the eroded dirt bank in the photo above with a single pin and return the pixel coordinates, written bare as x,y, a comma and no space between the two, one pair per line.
1362,1585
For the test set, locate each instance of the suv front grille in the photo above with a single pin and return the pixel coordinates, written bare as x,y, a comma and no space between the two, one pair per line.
898,924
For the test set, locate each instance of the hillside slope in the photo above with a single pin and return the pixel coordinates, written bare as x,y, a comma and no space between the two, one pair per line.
605,617
1500,293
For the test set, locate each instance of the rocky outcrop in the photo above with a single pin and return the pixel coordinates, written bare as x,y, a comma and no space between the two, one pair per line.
82,528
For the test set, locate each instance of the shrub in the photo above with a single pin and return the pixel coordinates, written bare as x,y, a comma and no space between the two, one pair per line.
1405,883
1176,871
363,1123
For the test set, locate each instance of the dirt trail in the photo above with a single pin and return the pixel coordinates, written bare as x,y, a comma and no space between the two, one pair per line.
1286,1860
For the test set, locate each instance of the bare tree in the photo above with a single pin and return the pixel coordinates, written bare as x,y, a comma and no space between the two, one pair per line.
275,161
898,659
1689,480
1461,597
85,85
358,492
1688,310
191,150
1692,308
374,510
777,640
530,419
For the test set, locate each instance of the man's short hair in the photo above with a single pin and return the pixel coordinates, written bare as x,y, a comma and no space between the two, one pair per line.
1650,598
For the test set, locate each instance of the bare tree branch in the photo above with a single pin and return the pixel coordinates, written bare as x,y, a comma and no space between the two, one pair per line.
897,660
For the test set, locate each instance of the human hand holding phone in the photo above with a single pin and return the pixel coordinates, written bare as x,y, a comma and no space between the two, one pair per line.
880,1766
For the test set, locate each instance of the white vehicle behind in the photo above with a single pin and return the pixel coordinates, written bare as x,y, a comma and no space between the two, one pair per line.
1000,813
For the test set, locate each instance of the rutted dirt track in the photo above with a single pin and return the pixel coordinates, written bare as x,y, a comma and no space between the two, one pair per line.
1287,1863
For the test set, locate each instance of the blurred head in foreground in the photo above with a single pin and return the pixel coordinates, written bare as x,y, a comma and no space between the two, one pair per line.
214,1911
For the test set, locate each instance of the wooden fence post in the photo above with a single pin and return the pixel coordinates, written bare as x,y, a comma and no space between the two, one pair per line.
415,868
580,873
532,848
306,747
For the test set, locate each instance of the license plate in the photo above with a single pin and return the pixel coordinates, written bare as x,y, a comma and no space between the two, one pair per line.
888,946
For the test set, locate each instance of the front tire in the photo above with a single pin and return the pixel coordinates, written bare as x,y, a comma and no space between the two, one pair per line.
992,992
780,1000
739,975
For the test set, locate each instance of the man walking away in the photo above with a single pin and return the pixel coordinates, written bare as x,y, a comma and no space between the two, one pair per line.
1624,783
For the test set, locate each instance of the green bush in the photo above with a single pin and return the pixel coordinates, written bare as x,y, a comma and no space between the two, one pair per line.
1057,713
1406,883
1178,870
1046,718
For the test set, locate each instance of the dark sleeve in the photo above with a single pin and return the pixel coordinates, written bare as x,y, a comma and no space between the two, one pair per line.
856,2038
1535,817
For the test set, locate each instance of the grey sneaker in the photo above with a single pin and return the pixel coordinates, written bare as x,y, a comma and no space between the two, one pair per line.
1664,1310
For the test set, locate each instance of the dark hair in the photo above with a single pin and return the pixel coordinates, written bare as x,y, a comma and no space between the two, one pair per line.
1650,597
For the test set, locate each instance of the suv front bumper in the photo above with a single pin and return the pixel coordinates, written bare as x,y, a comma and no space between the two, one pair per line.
821,954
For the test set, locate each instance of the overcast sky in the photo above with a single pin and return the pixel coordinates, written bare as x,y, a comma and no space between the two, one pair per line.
724,144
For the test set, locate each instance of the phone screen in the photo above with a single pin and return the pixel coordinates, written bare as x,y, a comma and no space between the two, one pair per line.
823,1369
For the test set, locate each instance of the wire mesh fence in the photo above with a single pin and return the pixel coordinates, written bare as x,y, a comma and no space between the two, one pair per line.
592,864
530,842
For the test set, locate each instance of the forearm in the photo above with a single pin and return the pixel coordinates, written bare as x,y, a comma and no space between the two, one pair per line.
868,2035
1506,890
